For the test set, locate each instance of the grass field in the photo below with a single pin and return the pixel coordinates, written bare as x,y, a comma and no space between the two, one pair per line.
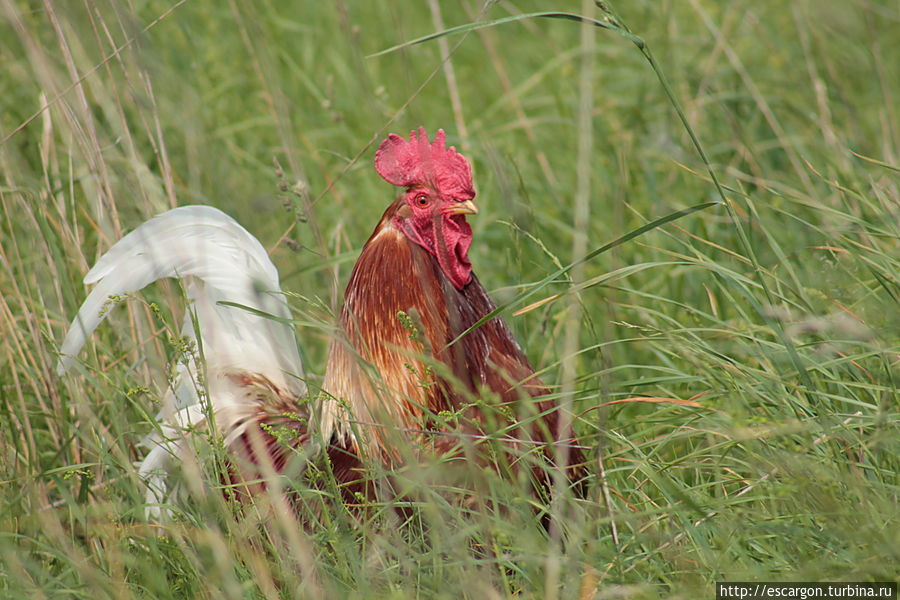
735,369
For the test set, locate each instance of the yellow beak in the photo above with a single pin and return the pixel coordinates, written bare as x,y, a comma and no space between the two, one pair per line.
462,208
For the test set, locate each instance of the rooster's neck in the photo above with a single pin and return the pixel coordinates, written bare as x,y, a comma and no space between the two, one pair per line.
395,325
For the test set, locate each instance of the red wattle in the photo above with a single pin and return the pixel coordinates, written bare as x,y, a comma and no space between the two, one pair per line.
450,246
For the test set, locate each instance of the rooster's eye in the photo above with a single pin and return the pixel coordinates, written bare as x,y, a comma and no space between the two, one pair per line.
422,200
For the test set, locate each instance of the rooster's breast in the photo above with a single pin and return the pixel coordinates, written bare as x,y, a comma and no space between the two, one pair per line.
394,321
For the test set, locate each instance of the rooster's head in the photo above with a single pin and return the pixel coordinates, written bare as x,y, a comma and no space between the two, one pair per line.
438,196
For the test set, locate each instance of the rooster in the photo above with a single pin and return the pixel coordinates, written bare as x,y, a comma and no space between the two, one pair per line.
410,313
413,371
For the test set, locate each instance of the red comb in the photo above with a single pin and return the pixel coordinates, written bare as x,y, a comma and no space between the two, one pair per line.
416,161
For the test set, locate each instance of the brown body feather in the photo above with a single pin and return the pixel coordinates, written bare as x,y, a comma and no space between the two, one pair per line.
402,380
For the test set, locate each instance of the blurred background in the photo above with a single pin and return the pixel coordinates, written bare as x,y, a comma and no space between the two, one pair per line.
734,370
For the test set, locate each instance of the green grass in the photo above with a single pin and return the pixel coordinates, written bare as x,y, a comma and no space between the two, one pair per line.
776,311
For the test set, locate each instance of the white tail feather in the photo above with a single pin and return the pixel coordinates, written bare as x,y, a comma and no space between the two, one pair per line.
231,265
226,264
